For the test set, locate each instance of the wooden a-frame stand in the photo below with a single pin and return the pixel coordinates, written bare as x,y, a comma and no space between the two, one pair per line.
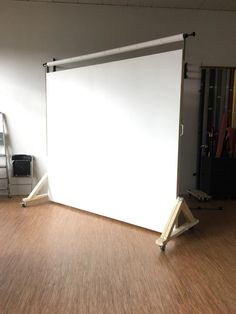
172,229
34,194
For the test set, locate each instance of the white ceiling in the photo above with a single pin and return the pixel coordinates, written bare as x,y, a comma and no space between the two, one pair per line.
221,5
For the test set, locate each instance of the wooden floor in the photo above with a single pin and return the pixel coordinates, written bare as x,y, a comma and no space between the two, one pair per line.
54,259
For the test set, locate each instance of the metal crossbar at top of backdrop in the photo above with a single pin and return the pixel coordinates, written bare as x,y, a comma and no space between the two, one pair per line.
110,52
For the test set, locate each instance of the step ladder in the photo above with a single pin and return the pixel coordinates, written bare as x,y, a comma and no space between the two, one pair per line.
4,173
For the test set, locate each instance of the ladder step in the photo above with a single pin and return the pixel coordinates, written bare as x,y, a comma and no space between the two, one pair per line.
4,178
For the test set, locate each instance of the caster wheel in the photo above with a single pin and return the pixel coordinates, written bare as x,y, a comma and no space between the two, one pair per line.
162,247
23,205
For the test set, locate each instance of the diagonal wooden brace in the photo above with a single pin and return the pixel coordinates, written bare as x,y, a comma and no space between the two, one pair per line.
33,195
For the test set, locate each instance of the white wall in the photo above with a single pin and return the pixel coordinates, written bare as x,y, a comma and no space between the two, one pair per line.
33,33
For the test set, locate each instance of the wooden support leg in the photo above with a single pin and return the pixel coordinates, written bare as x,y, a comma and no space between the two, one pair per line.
171,230
33,195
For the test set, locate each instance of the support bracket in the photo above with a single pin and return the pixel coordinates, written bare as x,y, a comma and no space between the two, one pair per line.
33,196
172,229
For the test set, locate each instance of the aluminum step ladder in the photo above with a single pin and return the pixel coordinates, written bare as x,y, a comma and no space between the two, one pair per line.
4,171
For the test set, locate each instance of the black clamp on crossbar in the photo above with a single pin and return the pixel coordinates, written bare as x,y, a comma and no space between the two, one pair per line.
45,65
186,35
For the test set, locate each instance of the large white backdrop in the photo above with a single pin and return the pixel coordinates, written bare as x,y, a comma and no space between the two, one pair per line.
113,132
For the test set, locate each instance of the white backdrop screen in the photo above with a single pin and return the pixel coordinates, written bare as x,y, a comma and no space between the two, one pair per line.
113,132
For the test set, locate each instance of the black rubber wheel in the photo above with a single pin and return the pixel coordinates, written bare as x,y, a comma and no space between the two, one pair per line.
23,205
162,247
